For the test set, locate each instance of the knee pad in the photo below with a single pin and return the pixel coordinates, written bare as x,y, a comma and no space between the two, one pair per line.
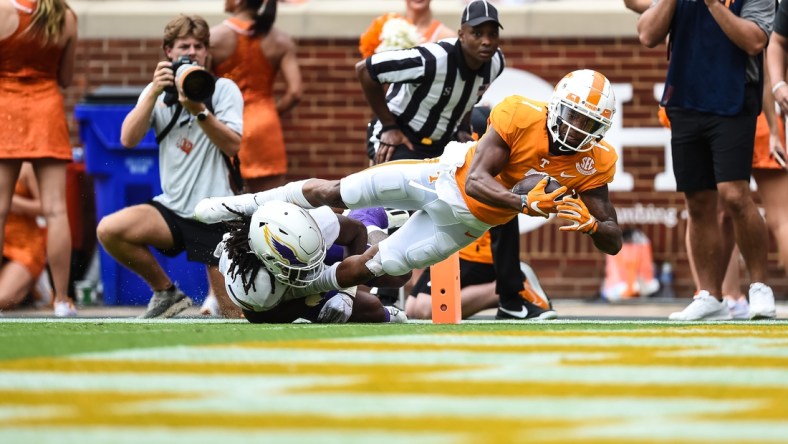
337,310
419,255
372,186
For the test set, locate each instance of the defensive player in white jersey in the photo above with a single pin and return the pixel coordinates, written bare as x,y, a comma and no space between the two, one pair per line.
468,189
268,257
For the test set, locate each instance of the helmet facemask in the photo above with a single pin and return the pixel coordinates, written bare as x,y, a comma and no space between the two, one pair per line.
289,271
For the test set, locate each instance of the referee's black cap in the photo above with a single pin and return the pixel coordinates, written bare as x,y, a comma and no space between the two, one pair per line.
477,12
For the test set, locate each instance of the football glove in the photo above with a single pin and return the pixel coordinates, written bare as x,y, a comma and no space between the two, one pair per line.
538,203
574,210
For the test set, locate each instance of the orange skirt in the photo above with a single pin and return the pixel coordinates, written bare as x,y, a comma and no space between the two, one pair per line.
32,120
262,151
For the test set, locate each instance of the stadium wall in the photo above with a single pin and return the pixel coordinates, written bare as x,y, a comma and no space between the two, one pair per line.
120,43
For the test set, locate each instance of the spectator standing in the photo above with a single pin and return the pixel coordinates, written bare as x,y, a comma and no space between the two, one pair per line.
248,49
192,167
24,250
713,121
37,42
418,13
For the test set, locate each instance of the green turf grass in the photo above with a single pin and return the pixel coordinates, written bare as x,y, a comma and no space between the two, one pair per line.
39,338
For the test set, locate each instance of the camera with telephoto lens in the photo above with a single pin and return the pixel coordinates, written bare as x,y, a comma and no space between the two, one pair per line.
196,83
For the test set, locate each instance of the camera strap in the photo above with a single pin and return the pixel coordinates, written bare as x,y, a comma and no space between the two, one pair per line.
168,128
233,163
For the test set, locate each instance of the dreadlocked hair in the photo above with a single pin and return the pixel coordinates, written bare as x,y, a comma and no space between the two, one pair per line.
244,261
48,21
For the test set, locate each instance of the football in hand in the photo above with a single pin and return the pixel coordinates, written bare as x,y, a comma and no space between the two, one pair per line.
530,181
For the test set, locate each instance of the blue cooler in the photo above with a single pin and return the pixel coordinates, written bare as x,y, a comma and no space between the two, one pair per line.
125,177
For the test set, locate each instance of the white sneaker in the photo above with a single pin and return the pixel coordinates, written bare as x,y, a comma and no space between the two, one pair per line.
397,316
212,210
210,307
704,307
761,302
65,309
739,308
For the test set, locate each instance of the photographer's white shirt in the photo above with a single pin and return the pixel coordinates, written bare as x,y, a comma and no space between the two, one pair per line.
191,167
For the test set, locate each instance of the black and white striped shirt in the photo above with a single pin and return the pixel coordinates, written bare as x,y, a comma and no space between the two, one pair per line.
431,88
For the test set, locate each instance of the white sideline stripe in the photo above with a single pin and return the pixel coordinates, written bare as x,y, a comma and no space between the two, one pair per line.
257,395
686,429
207,435
747,345
490,366
158,382
416,406
348,356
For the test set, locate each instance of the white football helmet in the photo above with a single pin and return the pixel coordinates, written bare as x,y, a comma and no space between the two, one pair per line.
582,102
288,241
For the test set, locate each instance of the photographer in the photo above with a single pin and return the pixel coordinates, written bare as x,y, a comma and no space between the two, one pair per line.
196,133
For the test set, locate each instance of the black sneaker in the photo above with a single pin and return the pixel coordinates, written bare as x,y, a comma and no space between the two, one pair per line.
527,311
387,296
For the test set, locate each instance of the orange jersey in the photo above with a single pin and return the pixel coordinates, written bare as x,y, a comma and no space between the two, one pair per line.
522,124
479,250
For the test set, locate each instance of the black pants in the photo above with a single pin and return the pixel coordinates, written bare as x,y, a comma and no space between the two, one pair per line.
506,261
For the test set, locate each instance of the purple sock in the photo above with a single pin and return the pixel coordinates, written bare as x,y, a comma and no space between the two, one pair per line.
371,216
335,253
387,314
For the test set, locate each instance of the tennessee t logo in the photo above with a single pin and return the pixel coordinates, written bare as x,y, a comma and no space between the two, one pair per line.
433,178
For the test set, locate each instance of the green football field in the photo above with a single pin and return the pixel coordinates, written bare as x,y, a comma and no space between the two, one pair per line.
196,381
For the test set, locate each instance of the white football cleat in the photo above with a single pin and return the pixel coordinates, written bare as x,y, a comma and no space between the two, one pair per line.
761,302
704,307
212,210
397,316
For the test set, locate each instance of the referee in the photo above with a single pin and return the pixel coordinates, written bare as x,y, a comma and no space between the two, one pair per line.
432,88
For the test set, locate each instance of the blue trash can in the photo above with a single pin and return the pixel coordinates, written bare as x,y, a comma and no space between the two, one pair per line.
125,177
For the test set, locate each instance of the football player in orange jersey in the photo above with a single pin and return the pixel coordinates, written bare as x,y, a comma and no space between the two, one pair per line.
466,191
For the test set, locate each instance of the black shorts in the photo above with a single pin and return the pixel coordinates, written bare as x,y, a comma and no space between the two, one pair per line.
471,273
709,149
199,240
